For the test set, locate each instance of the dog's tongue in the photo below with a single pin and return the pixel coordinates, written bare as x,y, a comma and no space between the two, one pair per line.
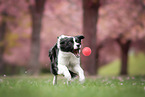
76,53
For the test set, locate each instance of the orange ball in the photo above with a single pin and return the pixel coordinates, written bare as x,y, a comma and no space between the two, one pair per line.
86,51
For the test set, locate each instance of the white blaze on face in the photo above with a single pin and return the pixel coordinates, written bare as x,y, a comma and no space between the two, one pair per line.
75,44
58,41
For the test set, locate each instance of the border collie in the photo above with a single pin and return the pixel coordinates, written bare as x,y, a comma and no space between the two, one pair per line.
65,58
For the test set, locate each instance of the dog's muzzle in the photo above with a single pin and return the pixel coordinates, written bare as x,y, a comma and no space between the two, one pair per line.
76,53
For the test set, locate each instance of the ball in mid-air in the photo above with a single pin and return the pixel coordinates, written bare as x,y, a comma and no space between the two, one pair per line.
86,51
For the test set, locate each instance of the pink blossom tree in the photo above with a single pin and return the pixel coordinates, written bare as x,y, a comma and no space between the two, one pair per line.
9,11
124,21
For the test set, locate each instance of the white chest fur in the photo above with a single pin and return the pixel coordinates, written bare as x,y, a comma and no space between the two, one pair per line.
67,58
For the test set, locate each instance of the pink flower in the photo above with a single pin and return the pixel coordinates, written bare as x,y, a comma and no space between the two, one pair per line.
113,77
128,78
133,77
120,78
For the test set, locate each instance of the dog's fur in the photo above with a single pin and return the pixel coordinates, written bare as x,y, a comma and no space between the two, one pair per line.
65,58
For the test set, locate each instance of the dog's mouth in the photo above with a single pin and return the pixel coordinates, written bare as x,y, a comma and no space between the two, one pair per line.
76,53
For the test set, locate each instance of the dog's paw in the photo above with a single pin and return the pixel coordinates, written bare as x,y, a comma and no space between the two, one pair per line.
82,80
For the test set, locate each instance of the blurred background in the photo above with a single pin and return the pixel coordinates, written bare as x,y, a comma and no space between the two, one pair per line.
113,29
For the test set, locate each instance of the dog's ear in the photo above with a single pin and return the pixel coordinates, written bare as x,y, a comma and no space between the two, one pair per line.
80,37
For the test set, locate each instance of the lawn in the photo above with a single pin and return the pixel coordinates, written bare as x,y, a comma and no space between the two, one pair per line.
28,86
107,84
136,66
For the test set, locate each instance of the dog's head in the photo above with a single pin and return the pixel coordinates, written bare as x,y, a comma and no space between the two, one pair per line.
70,44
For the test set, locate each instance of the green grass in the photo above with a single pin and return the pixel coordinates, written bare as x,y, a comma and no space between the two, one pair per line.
136,66
93,87
41,86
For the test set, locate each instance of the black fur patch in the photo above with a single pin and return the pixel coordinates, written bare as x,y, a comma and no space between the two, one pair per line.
73,75
78,38
53,54
66,44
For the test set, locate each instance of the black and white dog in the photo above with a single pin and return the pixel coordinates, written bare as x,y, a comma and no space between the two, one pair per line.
65,58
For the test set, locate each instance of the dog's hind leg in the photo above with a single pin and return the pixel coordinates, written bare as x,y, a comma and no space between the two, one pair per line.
55,80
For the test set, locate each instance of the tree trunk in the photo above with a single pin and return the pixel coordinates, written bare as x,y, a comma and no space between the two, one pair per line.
2,38
90,17
124,56
36,16
97,60
99,47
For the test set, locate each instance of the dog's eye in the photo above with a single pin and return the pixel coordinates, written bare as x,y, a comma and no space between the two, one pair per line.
71,41
77,40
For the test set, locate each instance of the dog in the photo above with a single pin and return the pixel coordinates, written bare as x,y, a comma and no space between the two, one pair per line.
65,58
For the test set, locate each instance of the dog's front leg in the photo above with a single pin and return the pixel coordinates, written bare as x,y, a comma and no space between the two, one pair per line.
80,72
67,76
64,70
